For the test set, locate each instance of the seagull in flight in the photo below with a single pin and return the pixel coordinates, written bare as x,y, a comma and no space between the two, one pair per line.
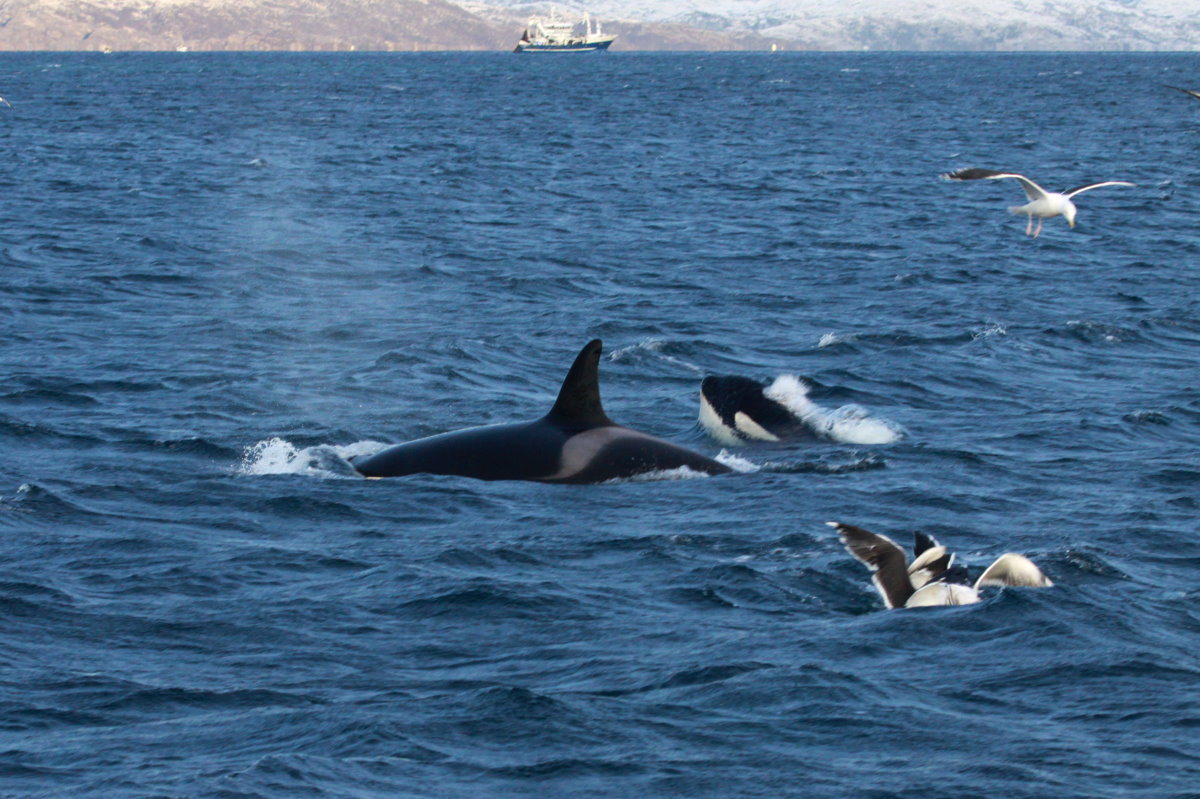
1042,204
1185,91
6,102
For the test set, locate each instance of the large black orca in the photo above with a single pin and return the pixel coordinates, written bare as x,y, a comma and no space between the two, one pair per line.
575,442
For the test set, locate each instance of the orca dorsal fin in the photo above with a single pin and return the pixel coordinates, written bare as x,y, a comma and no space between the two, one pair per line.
578,402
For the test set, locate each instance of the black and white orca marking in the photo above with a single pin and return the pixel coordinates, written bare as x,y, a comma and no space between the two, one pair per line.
932,578
736,409
575,442
1042,204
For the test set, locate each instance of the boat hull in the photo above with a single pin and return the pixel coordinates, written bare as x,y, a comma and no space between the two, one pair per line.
575,47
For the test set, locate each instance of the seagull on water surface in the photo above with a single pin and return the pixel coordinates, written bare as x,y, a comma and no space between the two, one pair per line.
931,579
1042,204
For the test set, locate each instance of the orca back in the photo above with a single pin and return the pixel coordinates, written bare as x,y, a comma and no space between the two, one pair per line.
575,442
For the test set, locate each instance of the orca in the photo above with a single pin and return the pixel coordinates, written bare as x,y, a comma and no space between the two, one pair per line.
575,442
932,578
734,409
737,409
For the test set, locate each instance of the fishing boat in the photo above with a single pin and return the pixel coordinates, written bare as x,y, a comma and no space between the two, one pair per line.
553,34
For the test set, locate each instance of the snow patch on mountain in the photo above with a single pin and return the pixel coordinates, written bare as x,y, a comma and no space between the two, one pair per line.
925,24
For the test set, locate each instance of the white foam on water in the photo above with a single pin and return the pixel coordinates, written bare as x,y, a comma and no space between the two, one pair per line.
994,329
659,475
649,345
736,462
13,504
280,456
831,338
849,424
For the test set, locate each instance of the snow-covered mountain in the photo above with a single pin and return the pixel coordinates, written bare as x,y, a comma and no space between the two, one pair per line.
927,24
639,24
244,25
305,25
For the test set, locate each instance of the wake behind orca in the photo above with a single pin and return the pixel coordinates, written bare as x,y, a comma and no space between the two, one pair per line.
575,442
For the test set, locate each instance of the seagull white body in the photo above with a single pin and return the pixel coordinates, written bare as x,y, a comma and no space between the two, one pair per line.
1008,569
1042,204
6,102
924,582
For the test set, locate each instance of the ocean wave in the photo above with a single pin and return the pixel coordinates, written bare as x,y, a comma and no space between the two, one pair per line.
830,339
1147,417
658,348
28,431
480,598
280,456
1093,332
852,463
42,503
45,396
156,700
737,462
661,475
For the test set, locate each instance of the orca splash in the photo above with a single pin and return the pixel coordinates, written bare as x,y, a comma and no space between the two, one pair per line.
575,442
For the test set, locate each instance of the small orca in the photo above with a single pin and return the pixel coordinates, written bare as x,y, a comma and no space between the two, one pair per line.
932,578
575,442
734,409
737,409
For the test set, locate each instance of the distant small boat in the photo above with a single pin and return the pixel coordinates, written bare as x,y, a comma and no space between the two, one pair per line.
553,34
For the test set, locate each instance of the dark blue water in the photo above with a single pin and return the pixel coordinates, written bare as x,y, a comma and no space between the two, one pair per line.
224,274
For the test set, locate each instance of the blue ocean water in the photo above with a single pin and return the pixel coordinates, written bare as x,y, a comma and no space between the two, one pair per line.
223,274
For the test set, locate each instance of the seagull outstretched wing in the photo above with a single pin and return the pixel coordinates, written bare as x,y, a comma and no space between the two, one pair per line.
1185,91
1089,186
1013,569
1032,190
884,557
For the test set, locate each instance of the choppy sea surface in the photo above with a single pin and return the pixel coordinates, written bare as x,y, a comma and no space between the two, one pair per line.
221,275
